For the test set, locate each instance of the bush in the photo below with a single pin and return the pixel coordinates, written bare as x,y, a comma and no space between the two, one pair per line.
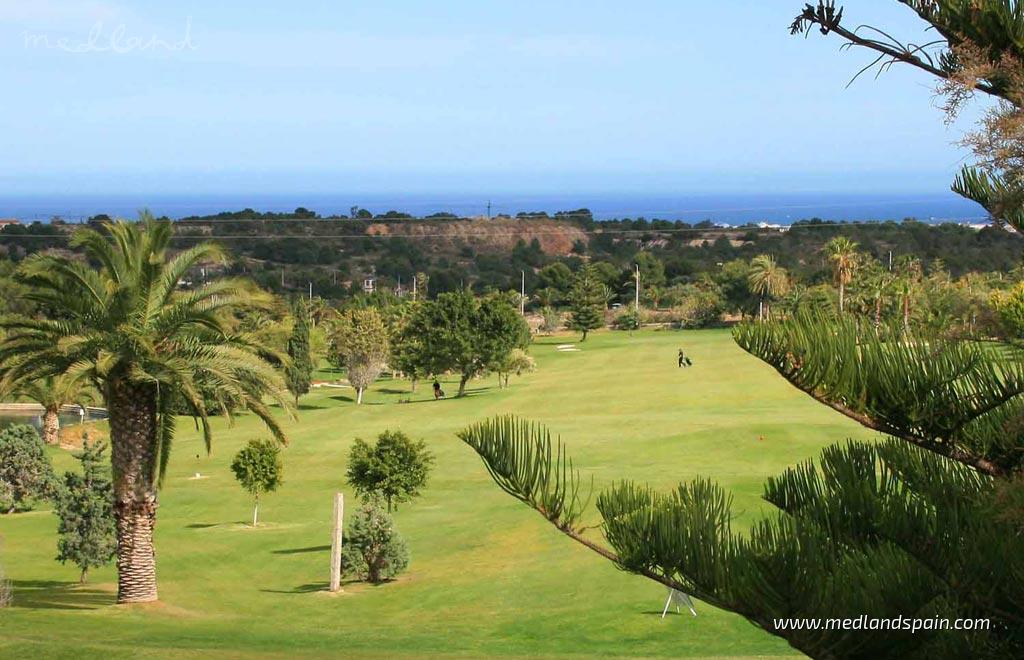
87,531
551,320
627,319
373,549
699,308
25,470
395,467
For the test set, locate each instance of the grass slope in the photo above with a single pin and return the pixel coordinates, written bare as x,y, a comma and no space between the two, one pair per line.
488,576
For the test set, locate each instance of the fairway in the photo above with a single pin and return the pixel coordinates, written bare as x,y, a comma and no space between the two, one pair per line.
488,577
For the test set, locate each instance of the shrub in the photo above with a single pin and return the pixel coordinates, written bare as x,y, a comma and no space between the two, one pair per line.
25,470
395,467
699,308
627,319
258,467
551,320
373,549
87,531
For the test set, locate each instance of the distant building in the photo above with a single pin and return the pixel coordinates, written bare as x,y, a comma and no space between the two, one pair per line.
369,284
7,222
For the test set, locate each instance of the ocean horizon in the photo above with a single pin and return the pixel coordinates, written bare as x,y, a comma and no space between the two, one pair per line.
724,208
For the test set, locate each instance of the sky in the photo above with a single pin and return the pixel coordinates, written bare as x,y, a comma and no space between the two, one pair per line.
101,96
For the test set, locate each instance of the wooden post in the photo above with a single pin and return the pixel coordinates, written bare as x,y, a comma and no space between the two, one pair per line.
339,515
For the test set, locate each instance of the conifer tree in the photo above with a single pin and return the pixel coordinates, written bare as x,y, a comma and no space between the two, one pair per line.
85,508
587,301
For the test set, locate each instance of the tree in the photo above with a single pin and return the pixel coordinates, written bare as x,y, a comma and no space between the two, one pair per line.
977,48
299,371
842,252
259,469
87,531
767,280
374,550
517,362
395,467
556,277
406,345
587,301
460,333
361,345
125,326
52,393
1009,305
908,527
25,470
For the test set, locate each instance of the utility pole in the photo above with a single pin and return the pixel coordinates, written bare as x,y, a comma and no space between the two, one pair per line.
890,260
488,209
522,294
282,277
414,287
310,292
636,299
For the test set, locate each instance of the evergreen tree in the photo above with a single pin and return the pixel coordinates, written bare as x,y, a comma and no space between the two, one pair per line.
299,373
85,508
374,550
587,301
925,524
25,470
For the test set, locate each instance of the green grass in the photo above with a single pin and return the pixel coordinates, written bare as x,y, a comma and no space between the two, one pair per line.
488,576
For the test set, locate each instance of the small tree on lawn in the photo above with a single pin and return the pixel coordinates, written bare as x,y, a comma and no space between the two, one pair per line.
299,372
361,345
587,301
258,467
85,509
516,362
25,469
374,550
395,467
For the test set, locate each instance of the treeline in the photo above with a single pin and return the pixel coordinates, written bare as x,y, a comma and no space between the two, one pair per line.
341,257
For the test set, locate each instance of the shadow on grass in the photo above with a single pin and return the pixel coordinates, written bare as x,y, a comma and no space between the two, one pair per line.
301,589
201,525
349,399
391,390
53,595
310,406
298,551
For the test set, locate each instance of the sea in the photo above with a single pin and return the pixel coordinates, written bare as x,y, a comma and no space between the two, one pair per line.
721,208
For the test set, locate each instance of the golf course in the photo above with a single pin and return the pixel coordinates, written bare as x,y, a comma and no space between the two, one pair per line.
488,576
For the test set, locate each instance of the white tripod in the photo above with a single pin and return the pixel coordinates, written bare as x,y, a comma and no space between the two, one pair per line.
679,598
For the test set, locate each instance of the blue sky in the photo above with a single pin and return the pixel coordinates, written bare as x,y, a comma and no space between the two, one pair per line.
677,96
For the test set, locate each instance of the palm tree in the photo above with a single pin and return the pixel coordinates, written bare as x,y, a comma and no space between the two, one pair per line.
767,280
145,346
52,392
842,252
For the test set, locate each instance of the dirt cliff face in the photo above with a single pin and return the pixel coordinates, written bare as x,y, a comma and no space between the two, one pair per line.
490,236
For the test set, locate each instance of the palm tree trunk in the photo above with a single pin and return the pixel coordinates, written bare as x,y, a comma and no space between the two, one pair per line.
878,311
51,425
906,312
133,429
842,296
